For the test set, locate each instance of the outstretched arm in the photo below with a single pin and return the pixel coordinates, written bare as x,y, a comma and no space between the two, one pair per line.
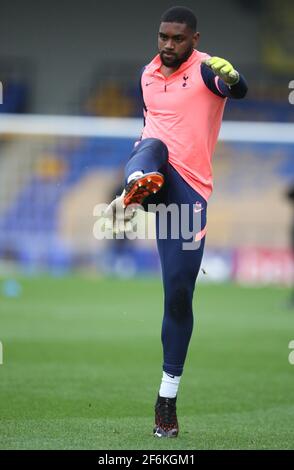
222,79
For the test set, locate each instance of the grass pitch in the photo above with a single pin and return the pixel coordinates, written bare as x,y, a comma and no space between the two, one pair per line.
82,366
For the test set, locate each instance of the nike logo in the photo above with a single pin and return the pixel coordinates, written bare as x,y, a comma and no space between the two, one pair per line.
198,207
171,376
147,84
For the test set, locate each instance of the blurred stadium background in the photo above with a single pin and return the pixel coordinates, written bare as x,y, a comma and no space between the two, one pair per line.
74,61
70,115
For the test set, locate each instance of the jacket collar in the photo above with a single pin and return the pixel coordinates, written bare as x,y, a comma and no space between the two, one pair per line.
156,63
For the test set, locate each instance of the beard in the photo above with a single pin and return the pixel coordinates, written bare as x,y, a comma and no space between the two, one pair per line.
174,61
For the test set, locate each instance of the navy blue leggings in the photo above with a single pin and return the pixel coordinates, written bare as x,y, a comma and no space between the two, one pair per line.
180,266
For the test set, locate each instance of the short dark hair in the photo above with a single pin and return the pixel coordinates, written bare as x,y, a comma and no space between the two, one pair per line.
180,15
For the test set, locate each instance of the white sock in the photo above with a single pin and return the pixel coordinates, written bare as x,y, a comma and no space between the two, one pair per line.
134,175
169,385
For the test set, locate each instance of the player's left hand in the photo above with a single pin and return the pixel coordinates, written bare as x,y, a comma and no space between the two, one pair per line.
223,69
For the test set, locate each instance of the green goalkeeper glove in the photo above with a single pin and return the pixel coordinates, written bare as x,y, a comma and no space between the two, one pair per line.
223,69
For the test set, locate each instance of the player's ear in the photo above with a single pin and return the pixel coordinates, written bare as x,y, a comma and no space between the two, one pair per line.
196,37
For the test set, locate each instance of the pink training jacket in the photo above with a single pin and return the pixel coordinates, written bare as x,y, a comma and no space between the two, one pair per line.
186,116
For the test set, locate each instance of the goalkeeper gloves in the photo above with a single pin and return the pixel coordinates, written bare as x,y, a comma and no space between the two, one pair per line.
117,218
223,69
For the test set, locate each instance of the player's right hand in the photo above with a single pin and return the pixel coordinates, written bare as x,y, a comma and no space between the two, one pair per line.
117,216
